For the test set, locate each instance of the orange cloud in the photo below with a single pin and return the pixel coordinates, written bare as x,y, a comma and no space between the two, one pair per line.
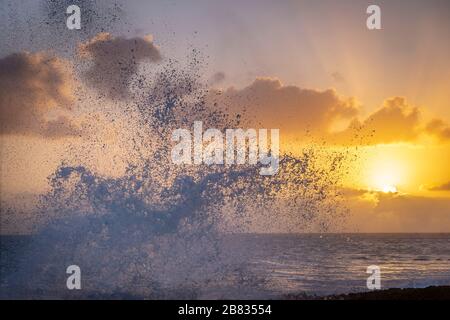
381,212
442,187
395,121
439,129
35,95
268,103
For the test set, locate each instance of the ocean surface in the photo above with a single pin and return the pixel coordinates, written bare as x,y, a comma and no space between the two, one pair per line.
277,265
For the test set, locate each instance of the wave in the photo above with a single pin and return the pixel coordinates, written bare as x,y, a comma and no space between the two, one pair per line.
156,230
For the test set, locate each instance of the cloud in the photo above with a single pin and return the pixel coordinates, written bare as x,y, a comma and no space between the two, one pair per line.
442,187
379,212
413,214
114,61
35,95
439,129
395,121
268,103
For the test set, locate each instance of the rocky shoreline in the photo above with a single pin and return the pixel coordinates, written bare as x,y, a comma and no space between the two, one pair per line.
428,293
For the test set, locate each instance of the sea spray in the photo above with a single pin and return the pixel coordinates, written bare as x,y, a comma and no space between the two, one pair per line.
156,231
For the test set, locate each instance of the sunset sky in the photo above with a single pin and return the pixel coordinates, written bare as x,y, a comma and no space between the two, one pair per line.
300,66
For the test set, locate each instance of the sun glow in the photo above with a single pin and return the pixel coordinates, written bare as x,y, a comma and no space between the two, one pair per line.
389,189
385,178
385,174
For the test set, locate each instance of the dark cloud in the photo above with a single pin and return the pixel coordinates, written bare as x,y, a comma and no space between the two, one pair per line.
271,104
115,61
35,95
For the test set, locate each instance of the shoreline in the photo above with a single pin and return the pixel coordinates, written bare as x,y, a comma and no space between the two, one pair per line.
441,293
427,293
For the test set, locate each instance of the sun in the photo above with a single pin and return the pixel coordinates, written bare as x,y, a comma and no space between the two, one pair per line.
389,189
385,174
385,179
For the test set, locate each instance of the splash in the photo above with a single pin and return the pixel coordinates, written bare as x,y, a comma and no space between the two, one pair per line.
157,230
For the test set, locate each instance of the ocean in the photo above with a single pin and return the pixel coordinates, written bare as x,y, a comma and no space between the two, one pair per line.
272,266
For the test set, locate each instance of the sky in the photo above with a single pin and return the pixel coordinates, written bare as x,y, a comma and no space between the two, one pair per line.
295,65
